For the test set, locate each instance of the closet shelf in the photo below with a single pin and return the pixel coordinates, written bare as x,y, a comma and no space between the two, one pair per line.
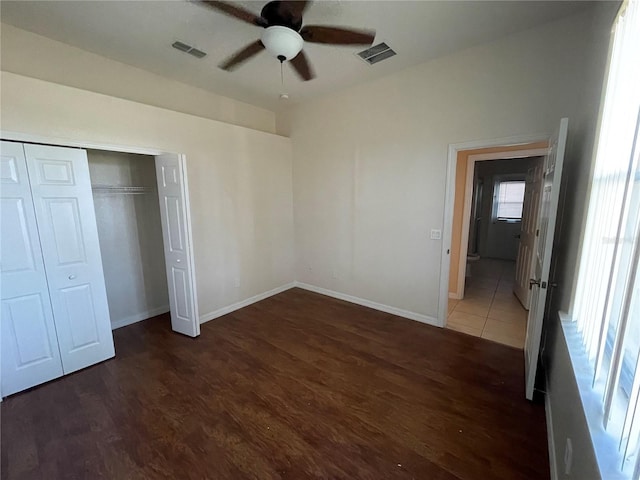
127,190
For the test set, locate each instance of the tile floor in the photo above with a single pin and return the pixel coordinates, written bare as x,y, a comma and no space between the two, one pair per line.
490,309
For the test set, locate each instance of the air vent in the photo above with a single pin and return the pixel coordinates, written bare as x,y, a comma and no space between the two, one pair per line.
183,47
197,53
377,53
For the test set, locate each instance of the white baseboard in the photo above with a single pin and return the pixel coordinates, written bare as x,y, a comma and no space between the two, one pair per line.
244,303
138,317
368,303
323,291
455,296
553,465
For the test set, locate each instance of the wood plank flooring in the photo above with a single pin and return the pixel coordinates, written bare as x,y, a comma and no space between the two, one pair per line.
296,386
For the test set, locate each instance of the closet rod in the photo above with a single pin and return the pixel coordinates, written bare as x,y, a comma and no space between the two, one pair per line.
128,190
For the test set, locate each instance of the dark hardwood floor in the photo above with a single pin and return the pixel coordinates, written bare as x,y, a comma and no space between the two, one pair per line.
296,386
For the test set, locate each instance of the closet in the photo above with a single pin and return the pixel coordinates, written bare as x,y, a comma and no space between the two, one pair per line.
54,311
125,197
66,280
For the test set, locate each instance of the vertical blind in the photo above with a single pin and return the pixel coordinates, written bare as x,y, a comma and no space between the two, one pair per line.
606,305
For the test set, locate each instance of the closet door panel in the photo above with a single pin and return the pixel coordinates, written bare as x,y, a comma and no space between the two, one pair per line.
68,233
173,216
30,353
16,241
64,217
26,320
79,310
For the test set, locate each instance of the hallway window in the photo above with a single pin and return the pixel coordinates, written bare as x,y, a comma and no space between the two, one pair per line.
509,198
606,306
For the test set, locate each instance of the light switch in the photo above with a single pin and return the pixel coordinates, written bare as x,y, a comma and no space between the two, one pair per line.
436,234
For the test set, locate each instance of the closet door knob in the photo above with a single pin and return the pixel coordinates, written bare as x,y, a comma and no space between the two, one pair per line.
71,277
178,260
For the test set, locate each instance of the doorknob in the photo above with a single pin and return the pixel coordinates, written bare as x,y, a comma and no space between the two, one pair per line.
533,282
72,277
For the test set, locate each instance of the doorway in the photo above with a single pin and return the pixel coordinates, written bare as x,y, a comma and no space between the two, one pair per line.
492,201
125,200
144,237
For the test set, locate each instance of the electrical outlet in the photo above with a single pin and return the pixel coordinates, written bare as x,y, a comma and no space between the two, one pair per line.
436,234
568,457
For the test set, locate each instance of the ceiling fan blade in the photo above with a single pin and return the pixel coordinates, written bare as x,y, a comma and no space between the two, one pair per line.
336,35
237,58
294,8
234,11
301,65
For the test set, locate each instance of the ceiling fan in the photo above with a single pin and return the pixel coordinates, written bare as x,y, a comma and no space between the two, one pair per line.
284,35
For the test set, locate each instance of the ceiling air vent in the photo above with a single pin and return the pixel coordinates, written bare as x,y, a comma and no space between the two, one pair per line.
377,53
183,47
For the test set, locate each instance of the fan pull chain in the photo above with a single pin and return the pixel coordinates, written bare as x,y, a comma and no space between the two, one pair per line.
283,95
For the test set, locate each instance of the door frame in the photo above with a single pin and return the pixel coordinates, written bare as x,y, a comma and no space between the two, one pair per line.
182,159
450,186
468,200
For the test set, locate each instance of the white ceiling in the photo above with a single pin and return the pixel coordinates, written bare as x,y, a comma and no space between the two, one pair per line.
140,33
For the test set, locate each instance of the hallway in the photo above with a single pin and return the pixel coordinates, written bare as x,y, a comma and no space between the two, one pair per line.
490,309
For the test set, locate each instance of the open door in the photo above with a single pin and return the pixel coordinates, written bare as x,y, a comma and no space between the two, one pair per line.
178,250
528,226
542,259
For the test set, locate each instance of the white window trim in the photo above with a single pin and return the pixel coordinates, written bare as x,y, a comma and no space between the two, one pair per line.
508,177
605,445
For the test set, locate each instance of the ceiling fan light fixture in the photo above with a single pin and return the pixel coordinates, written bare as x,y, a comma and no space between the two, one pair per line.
282,42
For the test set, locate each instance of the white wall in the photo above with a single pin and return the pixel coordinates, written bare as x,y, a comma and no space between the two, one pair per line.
130,236
239,179
369,162
33,55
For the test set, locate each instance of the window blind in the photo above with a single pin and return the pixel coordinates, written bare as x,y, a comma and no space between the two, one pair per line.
509,199
606,304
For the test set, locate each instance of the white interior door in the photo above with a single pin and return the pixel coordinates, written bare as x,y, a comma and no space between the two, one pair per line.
63,202
527,245
30,353
542,258
172,193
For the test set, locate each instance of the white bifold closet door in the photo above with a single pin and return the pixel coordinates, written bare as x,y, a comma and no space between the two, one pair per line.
173,215
67,237
61,189
29,343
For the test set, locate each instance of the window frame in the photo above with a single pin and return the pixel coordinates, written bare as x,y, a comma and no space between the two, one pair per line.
506,178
